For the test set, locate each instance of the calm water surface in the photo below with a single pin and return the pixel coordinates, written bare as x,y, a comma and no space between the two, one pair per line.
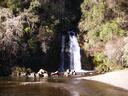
57,87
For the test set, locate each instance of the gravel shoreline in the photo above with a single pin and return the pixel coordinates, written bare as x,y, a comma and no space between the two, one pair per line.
116,78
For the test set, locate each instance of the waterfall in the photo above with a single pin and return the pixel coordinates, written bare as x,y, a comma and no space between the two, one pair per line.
61,67
70,57
75,58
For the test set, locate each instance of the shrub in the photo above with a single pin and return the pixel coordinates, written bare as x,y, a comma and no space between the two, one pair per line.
27,29
124,56
109,29
14,5
34,6
101,62
16,71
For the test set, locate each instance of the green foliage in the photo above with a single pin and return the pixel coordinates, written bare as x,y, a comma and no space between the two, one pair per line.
3,3
102,21
34,6
97,12
94,22
102,68
19,5
27,29
14,5
124,57
99,58
93,14
16,71
102,63
87,2
32,44
109,29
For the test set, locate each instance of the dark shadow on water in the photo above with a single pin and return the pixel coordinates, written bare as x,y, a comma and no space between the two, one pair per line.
32,90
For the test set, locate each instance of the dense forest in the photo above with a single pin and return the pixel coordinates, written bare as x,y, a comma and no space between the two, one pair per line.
103,33
29,33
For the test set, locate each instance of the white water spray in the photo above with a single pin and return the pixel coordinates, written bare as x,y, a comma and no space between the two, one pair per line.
72,59
75,57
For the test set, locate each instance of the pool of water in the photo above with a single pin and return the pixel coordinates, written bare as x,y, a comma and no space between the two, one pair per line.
56,87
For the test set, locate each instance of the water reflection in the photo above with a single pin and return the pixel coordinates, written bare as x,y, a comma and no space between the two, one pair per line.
56,87
14,89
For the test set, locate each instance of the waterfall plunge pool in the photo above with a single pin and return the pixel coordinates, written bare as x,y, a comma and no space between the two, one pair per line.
57,87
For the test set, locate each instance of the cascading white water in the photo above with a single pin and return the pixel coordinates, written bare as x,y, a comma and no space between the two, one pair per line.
61,67
75,57
72,59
